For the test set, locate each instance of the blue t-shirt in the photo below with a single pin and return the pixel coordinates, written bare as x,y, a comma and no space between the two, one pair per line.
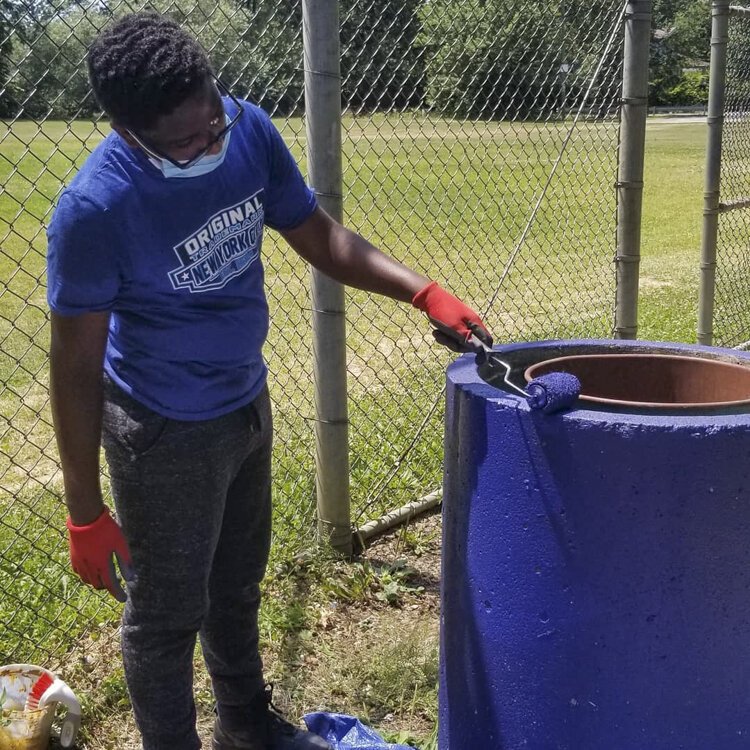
177,262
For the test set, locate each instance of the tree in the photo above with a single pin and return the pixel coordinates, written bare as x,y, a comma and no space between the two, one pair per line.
7,104
495,59
381,67
680,50
49,64
258,55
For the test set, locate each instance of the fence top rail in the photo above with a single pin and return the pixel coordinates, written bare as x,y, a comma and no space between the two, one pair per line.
738,10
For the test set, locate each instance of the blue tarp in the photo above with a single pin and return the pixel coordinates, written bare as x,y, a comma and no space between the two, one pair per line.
347,733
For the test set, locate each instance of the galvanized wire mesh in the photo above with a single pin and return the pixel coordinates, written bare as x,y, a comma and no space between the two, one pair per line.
480,147
732,302
482,100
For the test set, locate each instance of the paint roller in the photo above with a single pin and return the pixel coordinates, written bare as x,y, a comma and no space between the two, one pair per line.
549,393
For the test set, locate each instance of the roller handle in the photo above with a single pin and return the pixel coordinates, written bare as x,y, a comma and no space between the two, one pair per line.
472,342
549,393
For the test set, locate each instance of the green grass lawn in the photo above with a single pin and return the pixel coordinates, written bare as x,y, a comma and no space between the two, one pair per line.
671,231
451,199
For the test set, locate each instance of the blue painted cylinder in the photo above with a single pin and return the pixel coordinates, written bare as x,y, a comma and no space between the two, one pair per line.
596,569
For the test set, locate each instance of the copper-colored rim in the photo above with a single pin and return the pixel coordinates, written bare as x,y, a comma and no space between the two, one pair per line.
732,379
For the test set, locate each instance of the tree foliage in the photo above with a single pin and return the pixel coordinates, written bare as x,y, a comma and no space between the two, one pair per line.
381,66
49,63
256,48
487,59
496,63
6,46
258,54
680,50
494,59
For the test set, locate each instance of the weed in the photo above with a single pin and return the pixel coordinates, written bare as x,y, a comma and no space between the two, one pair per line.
354,583
394,582
416,542
114,691
402,678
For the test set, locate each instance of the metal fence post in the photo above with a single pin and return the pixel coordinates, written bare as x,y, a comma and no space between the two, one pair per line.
634,108
323,122
711,192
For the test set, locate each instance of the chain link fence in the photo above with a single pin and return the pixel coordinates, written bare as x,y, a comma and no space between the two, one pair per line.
731,314
481,145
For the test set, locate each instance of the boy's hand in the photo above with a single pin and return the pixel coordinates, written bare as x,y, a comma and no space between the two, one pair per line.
455,322
93,551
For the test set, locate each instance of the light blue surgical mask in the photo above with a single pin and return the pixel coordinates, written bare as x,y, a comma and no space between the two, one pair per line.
207,163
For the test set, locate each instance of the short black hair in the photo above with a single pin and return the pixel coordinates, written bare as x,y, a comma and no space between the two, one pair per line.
143,66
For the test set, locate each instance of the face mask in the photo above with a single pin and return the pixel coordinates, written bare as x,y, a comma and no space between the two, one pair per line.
204,165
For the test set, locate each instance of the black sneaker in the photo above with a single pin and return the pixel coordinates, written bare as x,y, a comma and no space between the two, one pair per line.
270,731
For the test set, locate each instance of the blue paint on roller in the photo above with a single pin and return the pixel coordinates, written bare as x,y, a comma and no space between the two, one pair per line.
548,393
553,392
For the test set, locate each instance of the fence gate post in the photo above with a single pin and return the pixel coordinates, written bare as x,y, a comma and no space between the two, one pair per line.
633,112
711,185
320,23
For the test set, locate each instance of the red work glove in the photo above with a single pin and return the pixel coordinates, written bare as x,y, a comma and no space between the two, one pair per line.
455,322
93,550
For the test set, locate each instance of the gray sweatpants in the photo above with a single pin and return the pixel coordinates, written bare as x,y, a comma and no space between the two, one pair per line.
194,502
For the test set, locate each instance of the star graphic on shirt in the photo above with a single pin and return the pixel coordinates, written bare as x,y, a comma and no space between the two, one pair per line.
185,276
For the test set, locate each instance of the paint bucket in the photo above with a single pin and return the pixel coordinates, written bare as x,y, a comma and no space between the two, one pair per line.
595,561
22,729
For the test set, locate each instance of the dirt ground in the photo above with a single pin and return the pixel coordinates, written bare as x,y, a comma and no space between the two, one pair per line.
368,649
